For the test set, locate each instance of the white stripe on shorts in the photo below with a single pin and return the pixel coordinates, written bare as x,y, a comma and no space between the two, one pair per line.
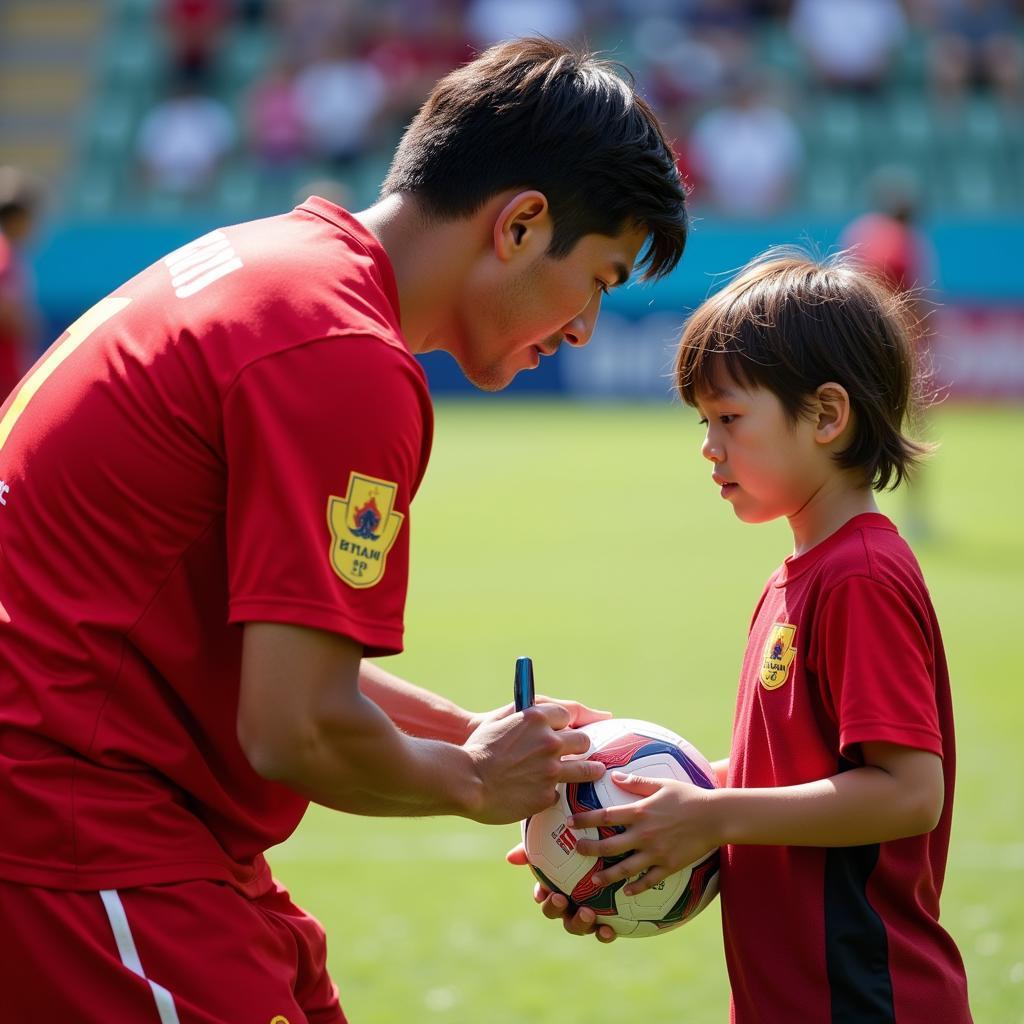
130,956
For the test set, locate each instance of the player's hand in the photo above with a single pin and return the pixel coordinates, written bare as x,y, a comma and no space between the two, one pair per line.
556,907
520,758
669,828
579,714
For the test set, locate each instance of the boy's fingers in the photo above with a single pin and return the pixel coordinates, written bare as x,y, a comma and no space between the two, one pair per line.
623,869
610,847
647,880
623,814
636,784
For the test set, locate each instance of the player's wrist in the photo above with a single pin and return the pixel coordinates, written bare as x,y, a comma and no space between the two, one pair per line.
466,784
721,816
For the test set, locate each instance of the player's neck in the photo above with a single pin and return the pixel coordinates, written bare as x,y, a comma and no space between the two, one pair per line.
833,505
429,258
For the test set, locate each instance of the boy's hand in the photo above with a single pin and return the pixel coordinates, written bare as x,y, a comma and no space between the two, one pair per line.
671,827
556,907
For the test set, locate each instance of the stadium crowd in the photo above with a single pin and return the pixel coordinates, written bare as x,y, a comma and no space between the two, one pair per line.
735,81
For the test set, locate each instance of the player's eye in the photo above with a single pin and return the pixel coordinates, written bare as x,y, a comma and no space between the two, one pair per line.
603,286
726,419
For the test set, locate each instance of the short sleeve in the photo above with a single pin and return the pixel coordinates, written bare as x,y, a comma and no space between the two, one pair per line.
326,444
879,666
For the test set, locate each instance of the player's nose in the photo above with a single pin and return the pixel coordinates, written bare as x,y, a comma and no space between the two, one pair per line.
577,332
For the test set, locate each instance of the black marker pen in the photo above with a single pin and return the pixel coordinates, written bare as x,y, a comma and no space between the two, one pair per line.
523,684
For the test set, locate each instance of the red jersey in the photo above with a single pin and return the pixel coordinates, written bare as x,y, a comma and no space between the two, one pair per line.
234,435
844,649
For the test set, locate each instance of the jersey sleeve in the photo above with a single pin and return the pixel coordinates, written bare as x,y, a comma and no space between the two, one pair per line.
878,662
326,444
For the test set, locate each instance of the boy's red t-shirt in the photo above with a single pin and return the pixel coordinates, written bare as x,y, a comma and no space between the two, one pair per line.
844,648
232,436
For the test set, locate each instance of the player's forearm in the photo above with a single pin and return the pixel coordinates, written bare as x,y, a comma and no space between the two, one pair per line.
355,760
857,807
721,770
414,710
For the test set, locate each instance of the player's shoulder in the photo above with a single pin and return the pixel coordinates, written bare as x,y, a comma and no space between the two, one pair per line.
870,548
267,286
319,268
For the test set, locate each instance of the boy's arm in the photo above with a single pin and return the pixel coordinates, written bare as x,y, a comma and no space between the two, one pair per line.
897,792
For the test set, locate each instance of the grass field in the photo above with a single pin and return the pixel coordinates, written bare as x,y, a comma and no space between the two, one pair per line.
592,539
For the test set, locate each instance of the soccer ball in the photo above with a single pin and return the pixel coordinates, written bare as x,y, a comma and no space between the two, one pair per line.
640,748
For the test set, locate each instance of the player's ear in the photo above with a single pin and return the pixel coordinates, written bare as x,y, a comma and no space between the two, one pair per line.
832,411
523,226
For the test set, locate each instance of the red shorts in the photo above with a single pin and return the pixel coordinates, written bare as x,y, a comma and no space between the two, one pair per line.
189,953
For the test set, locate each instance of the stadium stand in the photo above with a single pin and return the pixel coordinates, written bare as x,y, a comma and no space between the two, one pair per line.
967,154
46,49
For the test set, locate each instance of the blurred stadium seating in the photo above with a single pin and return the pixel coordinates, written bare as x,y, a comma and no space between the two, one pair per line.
46,51
971,158
77,80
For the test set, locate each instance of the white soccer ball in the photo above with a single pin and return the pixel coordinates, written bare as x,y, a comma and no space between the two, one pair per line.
640,748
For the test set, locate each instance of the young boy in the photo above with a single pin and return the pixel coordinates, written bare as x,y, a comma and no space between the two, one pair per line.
835,814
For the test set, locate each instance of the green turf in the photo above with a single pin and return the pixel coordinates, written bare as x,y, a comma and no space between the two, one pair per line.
592,539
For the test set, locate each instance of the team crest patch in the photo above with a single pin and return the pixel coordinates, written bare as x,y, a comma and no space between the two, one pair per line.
363,528
779,653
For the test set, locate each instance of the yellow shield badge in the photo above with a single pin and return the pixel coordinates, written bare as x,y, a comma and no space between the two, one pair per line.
779,653
363,528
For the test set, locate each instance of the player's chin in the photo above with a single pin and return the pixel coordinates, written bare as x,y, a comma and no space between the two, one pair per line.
495,377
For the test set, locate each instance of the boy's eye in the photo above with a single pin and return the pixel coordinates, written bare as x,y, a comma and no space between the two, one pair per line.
603,286
726,419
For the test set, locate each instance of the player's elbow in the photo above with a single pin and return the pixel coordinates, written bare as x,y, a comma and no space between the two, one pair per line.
922,807
915,793
928,811
276,755
932,808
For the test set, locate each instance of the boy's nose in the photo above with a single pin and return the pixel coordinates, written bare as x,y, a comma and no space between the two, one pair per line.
710,450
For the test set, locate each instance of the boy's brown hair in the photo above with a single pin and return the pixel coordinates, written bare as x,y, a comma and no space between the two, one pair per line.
535,114
789,323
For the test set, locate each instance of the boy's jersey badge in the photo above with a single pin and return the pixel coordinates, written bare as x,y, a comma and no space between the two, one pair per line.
779,653
363,528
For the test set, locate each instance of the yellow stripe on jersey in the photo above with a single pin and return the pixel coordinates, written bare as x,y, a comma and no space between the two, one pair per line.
73,337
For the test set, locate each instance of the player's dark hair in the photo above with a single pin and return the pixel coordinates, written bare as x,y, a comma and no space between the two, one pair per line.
789,323
534,114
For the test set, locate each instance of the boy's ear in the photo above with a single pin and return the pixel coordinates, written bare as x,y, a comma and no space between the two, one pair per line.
523,225
832,411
